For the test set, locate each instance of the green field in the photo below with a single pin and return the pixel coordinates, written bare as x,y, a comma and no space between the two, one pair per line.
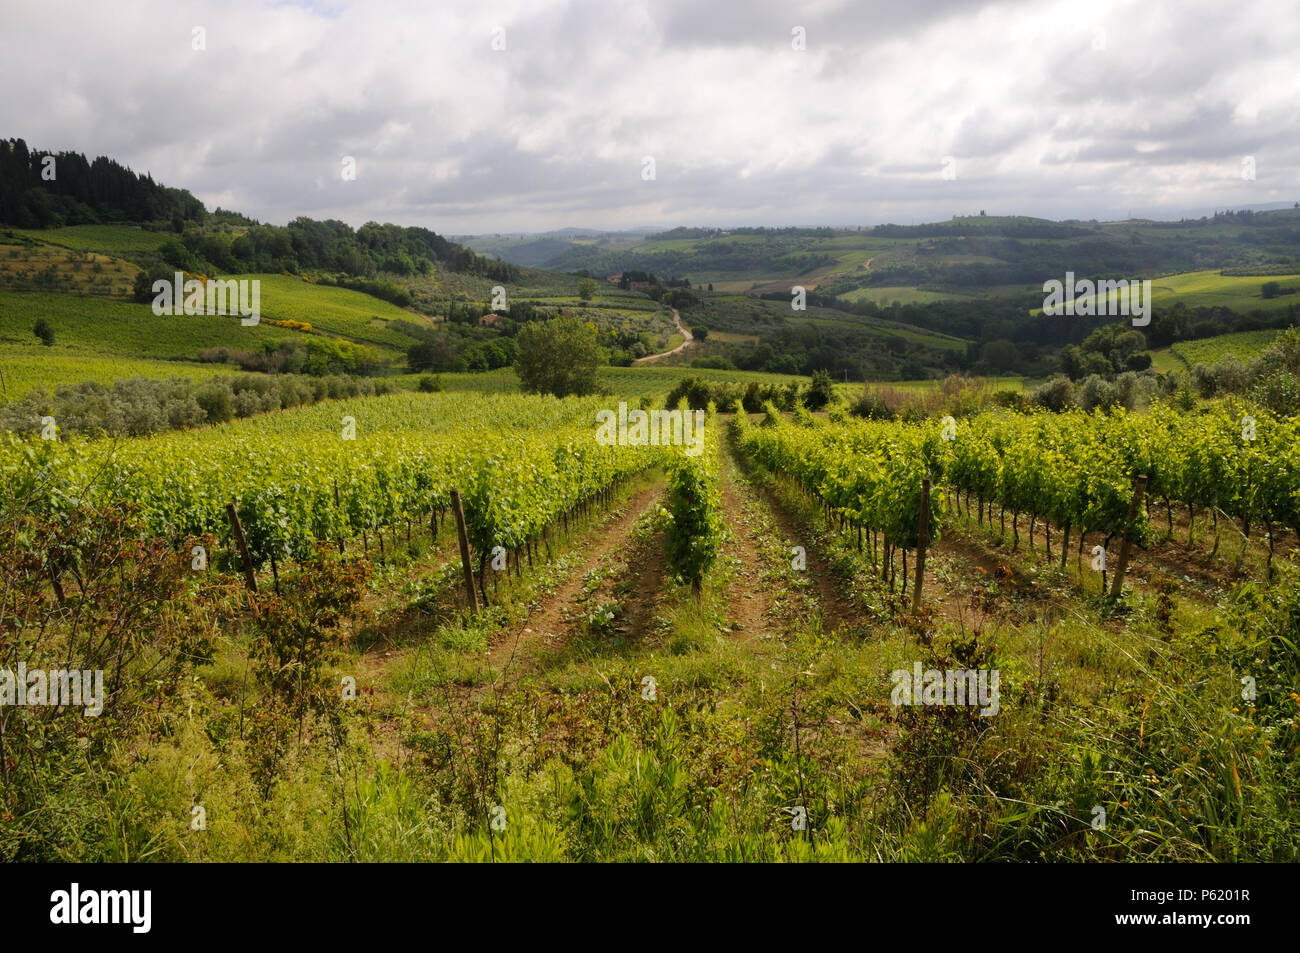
24,369
649,380
823,317
93,335
848,393
110,239
886,296
98,327
29,367
337,312
1244,344
1165,360
102,340
1210,289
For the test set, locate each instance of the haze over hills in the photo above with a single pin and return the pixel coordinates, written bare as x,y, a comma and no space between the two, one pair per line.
1133,215
972,255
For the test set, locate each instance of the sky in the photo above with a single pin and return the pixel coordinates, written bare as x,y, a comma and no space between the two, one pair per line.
485,117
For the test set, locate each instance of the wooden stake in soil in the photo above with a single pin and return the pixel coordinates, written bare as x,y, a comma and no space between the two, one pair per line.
1139,490
237,528
54,579
464,550
922,542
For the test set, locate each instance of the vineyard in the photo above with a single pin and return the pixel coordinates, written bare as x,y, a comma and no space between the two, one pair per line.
1072,470
1209,351
844,434
345,472
459,626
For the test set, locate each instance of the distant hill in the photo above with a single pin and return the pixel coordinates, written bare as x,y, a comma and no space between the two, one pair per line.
970,255
44,190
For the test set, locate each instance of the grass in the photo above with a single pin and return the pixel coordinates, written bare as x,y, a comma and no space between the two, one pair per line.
933,394
733,337
111,239
888,295
103,340
25,368
129,329
1210,289
651,380
124,329
1165,360
337,312
1210,351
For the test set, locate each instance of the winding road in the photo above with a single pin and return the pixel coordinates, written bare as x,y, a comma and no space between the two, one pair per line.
681,347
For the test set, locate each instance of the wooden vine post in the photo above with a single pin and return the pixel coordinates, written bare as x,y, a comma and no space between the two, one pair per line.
250,580
922,542
1139,491
464,550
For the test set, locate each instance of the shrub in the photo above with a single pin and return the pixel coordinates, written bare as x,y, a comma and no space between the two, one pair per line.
820,392
1055,395
216,402
246,404
43,331
1098,393
872,406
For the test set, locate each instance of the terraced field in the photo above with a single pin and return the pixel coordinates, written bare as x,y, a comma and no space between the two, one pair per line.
31,267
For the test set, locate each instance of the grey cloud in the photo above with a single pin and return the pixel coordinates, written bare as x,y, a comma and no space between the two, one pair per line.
455,136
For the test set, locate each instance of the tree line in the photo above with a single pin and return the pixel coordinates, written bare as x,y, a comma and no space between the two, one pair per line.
323,246
40,189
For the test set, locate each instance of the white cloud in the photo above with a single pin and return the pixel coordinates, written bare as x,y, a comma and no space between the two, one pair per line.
449,133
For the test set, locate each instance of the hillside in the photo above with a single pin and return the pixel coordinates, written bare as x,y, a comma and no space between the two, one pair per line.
332,298
972,255
891,302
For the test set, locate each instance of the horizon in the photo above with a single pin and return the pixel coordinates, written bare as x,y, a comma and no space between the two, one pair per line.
1189,216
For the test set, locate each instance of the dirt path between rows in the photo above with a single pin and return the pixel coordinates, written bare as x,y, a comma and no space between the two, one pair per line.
837,610
547,625
749,601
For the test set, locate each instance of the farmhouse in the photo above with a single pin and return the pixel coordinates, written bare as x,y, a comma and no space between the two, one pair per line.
489,320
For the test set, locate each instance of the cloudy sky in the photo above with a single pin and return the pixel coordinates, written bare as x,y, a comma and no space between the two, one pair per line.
486,116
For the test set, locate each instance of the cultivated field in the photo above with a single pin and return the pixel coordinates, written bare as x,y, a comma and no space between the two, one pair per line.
681,652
